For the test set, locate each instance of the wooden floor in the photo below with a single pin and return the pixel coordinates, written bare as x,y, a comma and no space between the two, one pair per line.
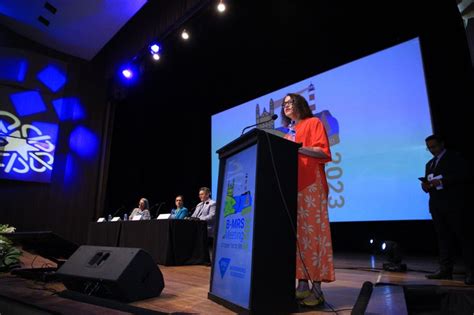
186,287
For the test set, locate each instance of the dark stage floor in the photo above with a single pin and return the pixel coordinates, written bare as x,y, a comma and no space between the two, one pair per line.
186,288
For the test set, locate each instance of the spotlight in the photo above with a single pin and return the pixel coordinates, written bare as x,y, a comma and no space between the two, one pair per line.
156,57
221,6
185,35
155,48
127,73
372,245
393,255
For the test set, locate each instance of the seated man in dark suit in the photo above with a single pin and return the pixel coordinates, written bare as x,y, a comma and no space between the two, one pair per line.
447,177
206,210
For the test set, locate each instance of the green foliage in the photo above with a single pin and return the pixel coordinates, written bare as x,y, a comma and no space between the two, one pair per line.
9,255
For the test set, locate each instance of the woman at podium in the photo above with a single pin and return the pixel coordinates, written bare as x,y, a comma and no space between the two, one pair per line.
314,259
181,211
142,212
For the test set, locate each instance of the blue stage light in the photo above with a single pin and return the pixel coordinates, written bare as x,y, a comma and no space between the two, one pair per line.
28,103
154,48
53,77
84,142
13,69
127,73
69,108
70,169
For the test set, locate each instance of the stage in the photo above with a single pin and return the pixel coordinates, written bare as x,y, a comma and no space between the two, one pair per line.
186,288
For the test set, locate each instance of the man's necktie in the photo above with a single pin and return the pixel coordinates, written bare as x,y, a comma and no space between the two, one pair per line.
434,163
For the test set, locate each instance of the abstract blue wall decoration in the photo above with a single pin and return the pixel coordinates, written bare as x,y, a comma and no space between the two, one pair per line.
53,77
32,107
13,69
26,150
69,108
84,142
28,103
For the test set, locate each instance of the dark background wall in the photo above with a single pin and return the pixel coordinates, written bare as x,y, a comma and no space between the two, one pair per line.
155,133
163,123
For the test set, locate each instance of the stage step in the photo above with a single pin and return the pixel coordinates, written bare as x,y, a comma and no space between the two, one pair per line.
387,299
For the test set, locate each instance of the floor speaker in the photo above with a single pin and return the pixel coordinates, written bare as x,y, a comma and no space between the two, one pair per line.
123,274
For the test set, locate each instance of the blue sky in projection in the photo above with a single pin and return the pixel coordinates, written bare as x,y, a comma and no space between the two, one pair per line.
381,105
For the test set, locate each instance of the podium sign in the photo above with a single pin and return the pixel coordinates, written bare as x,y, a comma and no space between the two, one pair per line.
231,277
255,244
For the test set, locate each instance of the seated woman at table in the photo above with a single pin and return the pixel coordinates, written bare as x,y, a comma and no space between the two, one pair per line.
142,212
180,212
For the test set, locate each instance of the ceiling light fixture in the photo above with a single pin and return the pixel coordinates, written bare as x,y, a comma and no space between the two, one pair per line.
221,6
185,35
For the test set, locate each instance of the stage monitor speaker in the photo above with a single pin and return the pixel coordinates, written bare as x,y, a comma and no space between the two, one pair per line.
123,274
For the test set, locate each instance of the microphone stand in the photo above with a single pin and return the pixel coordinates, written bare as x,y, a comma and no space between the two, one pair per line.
159,207
117,211
274,117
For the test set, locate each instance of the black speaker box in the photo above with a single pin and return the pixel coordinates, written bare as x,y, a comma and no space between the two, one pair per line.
124,274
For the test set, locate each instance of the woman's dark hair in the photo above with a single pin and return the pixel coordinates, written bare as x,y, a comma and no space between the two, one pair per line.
300,105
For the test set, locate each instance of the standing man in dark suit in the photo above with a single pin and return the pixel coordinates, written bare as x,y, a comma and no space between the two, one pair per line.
446,178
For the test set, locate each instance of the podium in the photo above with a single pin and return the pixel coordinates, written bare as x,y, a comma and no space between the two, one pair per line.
254,257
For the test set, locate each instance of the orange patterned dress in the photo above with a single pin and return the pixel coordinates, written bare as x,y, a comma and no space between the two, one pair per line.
313,232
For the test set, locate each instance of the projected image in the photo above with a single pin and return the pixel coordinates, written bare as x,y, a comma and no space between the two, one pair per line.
31,108
376,113
26,150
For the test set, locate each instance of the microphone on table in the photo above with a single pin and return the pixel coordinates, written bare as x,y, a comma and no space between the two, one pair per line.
274,117
159,207
190,217
118,210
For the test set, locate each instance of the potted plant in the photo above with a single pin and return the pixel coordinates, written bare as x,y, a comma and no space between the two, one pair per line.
9,254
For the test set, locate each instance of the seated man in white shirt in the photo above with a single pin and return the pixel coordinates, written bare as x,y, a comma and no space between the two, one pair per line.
206,210
142,212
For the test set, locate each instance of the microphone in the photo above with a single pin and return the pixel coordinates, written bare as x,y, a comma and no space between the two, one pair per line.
274,117
159,207
117,211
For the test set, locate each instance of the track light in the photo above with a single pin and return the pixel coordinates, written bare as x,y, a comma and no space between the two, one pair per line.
154,48
221,6
185,35
127,73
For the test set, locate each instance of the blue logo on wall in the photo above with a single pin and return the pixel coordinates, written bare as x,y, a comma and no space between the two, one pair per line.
29,130
223,265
